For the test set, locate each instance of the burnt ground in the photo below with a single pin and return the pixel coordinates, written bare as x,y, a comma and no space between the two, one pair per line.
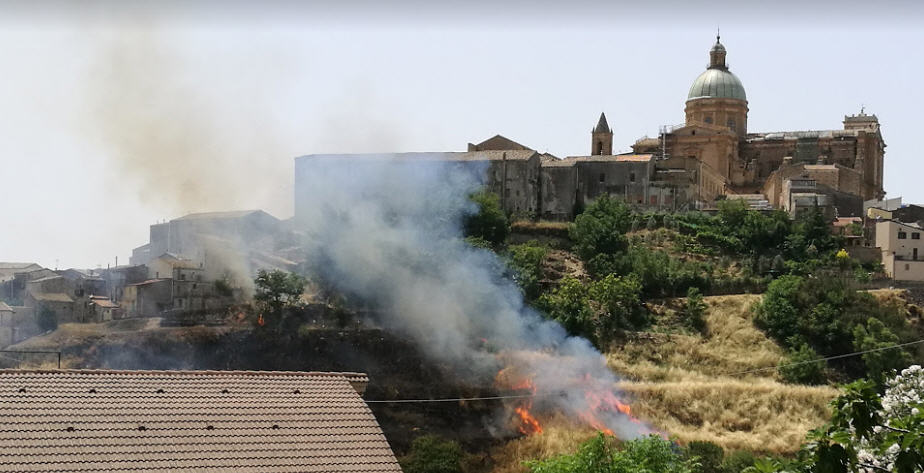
396,369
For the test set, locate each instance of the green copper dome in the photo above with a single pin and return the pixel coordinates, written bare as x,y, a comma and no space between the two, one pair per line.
717,83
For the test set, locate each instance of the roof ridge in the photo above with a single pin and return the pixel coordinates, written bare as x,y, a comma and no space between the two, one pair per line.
90,372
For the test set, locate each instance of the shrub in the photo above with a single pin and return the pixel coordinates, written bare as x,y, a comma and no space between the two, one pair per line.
737,461
694,310
708,455
600,455
879,364
431,454
800,368
490,223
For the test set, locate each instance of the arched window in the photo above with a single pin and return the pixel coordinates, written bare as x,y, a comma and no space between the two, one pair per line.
731,124
599,148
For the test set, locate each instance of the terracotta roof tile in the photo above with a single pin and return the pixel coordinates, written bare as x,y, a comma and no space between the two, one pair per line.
184,421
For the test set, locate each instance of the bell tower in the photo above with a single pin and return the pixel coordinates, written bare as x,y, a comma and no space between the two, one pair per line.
601,138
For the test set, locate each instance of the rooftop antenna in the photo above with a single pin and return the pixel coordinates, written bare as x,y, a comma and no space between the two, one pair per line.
718,32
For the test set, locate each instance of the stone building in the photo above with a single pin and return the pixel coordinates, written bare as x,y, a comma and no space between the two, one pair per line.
902,249
714,144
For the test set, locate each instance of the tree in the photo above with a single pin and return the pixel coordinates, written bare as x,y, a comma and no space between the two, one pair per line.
490,222
47,319
525,261
598,310
431,454
777,314
601,228
879,364
801,367
277,290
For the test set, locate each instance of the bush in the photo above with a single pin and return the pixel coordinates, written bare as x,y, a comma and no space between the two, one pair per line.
47,319
490,223
600,455
879,364
708,455
800,368
694,310
431,454
737,461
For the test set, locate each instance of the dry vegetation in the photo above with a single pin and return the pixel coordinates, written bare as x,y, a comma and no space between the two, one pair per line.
685,385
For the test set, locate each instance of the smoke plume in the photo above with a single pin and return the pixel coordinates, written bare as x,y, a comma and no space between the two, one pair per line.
387,230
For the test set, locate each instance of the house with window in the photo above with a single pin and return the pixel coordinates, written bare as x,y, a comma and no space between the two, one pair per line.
902,249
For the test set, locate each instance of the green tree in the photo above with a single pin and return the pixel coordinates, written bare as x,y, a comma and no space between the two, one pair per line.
490,222
879,364
694,310
800,367
777,314
276,290
601,228
432,454
598,310
47,319
569,305
525,262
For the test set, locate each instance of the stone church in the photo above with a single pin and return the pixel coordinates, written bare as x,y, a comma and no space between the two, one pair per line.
839,168
710,157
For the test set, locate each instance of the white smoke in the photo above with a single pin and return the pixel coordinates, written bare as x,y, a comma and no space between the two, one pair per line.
386,229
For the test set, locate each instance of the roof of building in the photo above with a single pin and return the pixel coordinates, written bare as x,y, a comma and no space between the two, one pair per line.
177,261
188,421
499,142
717,83
52,297
488,155
104,303
846,221
602,125
222,215
148,282
803,134
47,278
633,158
9,270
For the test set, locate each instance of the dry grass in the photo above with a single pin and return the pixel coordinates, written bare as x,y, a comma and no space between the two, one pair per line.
558,436
527,225
731,344
762,416
684,385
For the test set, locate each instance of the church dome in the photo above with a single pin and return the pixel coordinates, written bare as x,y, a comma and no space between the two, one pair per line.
717,83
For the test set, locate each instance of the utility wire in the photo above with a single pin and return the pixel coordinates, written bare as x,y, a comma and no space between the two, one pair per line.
835,357
521,396
458,399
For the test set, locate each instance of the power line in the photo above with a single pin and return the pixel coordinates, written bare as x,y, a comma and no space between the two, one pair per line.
558,393
458,399
835,357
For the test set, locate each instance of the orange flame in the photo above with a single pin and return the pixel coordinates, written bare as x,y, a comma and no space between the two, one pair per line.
260,320
528,424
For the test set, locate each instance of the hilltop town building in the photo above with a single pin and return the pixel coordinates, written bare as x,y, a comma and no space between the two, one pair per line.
711,156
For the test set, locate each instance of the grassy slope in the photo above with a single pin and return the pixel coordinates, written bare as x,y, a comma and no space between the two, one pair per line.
683,384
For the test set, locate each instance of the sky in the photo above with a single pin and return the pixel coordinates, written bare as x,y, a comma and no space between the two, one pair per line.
117,115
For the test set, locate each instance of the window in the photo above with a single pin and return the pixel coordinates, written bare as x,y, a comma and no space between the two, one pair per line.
599,148
731,124
915,236
902,235
907,267
602,177
708,120
182,277
631,177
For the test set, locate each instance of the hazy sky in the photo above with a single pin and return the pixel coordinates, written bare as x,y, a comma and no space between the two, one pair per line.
116,115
